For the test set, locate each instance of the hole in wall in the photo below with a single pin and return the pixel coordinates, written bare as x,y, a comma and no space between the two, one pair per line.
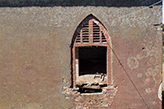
85,90
92,60
91,89
143,48
92,69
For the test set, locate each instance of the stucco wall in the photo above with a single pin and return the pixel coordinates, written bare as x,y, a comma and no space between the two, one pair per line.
35,57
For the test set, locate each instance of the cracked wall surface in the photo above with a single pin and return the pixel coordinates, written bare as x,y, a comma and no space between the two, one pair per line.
35,56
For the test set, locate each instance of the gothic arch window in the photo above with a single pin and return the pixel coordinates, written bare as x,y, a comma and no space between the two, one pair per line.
91,56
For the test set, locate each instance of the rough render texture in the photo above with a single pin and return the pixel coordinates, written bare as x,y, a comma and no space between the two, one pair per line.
35,58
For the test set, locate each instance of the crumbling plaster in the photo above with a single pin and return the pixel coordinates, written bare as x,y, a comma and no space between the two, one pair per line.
35,58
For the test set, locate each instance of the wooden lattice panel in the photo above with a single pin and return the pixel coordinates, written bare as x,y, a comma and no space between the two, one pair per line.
90,33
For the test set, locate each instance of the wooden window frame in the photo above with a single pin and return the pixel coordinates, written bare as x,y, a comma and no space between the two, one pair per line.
75,63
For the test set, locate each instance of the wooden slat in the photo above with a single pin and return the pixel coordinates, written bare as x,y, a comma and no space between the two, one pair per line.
90,33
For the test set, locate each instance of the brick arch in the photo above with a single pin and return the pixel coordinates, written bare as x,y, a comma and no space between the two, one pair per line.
91,18
94,35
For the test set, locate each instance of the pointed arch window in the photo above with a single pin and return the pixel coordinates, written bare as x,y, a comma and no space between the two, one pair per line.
91,56
90,33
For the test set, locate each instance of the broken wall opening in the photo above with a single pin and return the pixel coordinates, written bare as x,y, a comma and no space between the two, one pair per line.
91,56
92,60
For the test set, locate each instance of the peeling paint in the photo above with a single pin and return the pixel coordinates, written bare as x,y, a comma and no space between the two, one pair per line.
148,90
139,75
132,62
142,55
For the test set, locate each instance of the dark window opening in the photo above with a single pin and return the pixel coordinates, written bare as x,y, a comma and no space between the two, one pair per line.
91,54
92,60
91,63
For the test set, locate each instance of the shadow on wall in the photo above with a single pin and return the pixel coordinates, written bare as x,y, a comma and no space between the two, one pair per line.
51,3
162,99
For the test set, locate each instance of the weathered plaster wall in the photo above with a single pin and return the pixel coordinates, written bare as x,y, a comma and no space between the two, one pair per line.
35,54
